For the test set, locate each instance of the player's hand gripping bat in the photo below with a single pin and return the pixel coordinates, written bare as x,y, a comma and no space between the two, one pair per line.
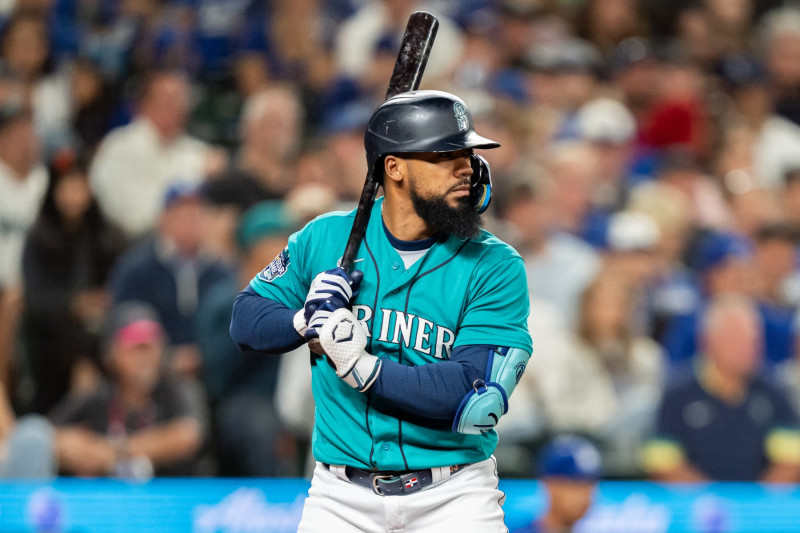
411,60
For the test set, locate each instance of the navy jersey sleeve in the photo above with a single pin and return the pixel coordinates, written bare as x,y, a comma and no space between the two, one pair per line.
434,390
262,318
262,324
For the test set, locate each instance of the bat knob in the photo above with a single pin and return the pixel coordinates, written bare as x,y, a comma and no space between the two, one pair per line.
315,346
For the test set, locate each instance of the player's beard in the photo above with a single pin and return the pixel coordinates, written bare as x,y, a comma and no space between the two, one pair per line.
462,221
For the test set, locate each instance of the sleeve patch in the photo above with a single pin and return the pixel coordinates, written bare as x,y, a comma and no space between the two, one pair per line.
277,268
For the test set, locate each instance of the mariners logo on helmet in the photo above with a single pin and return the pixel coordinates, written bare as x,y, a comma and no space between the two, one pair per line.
461,116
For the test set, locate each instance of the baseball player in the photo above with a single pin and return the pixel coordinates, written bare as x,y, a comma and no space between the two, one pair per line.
569,467
425,340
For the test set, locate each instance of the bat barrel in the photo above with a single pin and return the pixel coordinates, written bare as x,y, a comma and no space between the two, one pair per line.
413,55
408,69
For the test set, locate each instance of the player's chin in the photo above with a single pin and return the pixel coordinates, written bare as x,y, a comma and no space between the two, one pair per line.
456,200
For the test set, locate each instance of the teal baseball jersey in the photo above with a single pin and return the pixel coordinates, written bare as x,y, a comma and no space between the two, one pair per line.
461,292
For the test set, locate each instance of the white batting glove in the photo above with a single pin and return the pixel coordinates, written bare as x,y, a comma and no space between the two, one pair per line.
344,340
329,290
320,316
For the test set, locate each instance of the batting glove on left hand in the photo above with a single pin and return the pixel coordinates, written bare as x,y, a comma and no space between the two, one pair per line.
344,340
330,290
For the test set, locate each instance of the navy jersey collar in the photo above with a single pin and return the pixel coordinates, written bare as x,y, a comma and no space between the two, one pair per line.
409,246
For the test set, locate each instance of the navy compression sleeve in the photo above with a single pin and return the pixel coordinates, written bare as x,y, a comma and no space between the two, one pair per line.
264,325
434,390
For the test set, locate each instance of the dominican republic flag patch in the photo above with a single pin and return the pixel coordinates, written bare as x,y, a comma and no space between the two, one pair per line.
411,482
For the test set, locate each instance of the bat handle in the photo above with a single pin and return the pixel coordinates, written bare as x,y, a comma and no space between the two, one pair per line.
315,346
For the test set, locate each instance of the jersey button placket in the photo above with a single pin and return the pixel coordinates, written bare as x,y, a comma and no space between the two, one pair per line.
395,265
386,446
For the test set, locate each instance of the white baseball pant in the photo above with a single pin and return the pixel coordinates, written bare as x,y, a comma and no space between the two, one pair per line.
468,501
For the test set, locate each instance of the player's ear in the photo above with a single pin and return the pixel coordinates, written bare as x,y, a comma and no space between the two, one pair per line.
393,168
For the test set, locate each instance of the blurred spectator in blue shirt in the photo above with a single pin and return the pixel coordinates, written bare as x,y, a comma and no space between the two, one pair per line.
171,271
724,421
727,263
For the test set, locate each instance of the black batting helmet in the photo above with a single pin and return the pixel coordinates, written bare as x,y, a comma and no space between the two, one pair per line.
420,121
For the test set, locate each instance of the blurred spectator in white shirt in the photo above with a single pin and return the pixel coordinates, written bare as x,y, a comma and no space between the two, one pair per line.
607,382
559,265
135,164
23,183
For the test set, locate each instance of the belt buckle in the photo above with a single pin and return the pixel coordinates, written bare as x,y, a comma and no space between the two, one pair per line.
375,479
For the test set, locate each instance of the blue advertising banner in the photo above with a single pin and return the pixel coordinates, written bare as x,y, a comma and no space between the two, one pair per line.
275,505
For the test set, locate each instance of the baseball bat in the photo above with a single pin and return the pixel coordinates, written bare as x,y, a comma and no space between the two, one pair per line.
406,76
408,69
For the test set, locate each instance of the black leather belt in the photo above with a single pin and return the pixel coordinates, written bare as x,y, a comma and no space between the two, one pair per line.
392,483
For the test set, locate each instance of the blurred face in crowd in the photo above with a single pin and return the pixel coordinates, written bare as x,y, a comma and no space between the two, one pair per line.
20,145
733,274
753,102
72,195
613,159
25,47
636,81
612,20
274,124
166,104
730,15
606,309
346,150
569,499
136,355
86,84
575,88
791,197
185,223
251,73
528,212
573,173
783,60
776,259
733,340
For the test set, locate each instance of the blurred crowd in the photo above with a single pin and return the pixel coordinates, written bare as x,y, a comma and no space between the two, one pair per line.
156,154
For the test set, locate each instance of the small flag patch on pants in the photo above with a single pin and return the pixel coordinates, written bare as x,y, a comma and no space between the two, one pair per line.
411,482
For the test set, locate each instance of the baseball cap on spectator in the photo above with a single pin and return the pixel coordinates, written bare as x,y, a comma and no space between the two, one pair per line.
605,120
570,457
182,190
629,52
524,10
12,110
571,55
263,220
632,231
350,117
739,71
678,157
233,189
717,248
135,323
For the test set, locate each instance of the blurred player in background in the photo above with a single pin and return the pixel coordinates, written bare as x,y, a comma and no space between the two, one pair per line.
569,468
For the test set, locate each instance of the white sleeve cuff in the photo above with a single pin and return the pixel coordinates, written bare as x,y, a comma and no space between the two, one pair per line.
299,323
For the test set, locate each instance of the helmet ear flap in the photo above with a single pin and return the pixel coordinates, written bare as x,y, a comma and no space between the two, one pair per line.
481,183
